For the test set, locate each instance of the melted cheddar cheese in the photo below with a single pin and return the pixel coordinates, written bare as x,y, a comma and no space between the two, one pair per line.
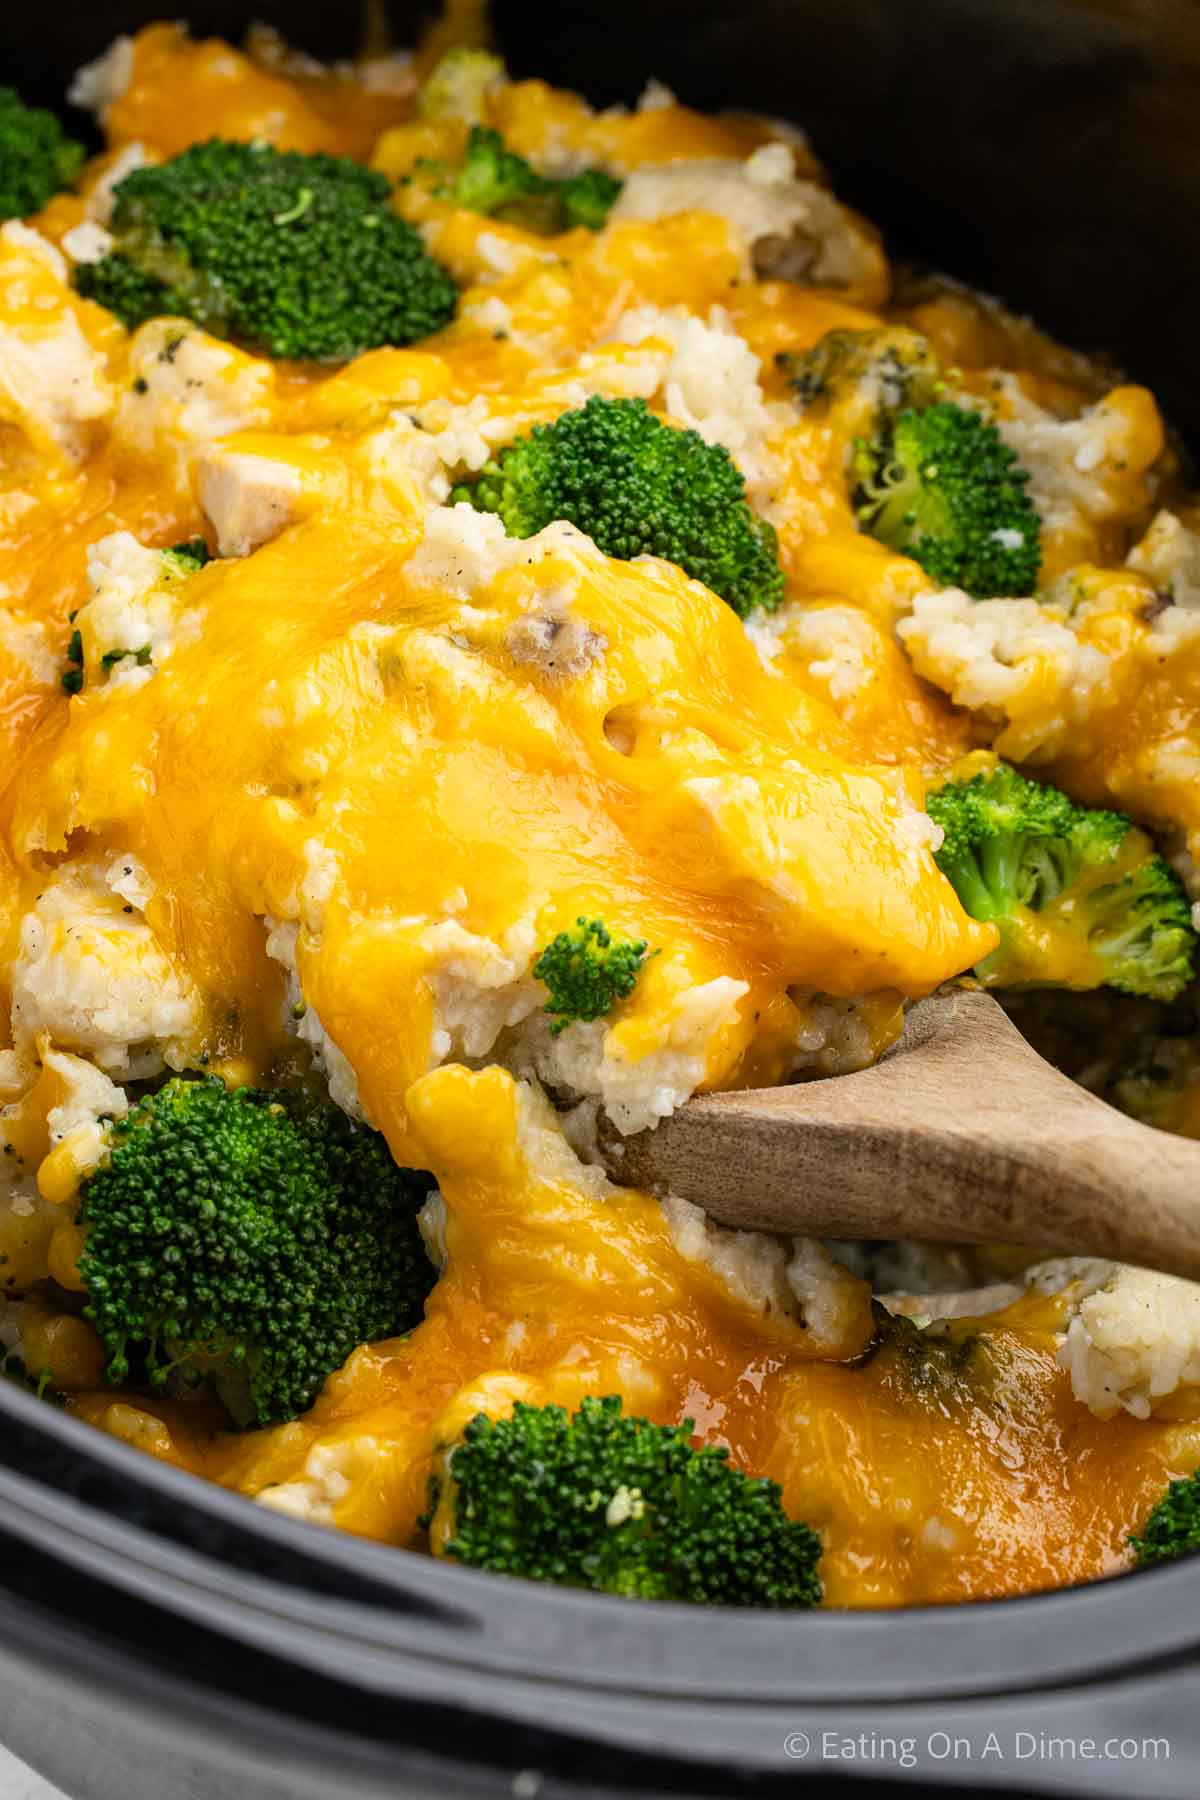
375,754
928,1485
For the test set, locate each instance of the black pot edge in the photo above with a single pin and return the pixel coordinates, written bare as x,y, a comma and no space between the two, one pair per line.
88,1500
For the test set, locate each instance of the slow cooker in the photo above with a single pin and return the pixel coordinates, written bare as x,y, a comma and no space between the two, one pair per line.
161,1639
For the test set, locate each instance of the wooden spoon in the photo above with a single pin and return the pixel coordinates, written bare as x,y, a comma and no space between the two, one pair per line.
963,1134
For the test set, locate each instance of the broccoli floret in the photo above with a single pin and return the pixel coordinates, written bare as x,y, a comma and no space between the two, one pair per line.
597,1500
587,970
939,1361
942,486
1140,930
873,372
1173,1528
458,85
930,478
588,198
639,488
294,255
1081,897
493,179
37,158
116,283
258,1238
1008,841
191,555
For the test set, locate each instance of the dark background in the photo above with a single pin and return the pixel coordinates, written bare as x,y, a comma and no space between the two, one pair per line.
1046,150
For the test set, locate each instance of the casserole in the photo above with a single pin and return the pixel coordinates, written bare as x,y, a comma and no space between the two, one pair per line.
1095,61
196,1643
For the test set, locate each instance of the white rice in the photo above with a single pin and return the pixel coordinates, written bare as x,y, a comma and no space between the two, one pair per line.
91,976
1132,1339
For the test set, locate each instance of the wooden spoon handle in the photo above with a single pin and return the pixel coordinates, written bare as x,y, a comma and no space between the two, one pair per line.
964,1135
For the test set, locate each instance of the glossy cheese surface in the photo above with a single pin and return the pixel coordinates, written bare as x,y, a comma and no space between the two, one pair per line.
931,1478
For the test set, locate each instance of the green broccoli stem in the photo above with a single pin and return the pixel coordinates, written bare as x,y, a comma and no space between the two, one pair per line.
888,501
1000,860
974,888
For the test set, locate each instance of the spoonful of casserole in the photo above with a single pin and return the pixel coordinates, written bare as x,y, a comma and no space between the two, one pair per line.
962,1134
